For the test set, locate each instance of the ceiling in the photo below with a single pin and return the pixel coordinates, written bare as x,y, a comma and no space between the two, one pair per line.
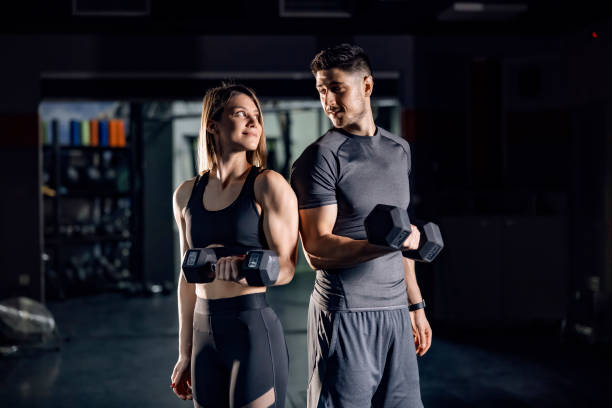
312,17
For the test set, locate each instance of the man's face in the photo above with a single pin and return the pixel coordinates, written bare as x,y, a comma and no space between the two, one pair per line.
344,95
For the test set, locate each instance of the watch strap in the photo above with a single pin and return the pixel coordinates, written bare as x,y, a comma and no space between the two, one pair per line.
417,306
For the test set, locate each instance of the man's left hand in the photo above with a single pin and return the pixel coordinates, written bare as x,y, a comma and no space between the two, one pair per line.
421,332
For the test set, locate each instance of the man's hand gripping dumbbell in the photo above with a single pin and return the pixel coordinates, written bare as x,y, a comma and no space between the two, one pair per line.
390,226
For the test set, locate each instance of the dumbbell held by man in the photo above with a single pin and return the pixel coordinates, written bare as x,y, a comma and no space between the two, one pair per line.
259,267
390,226
429,247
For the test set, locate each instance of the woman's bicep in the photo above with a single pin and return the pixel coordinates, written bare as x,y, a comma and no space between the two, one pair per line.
280,216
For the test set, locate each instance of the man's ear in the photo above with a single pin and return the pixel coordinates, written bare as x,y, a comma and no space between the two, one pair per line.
368,85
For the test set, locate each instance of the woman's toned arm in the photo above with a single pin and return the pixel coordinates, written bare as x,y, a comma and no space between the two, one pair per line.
280,220
186,298
186,291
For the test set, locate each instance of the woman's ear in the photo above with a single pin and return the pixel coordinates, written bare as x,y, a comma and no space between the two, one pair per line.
211,127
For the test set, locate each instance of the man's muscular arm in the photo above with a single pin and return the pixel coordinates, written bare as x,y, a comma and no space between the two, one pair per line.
325,250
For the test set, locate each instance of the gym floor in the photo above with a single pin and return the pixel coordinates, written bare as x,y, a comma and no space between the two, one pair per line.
119,351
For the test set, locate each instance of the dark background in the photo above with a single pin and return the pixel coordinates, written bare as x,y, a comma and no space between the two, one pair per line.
508,117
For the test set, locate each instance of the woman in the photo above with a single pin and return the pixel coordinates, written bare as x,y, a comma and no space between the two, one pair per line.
232,352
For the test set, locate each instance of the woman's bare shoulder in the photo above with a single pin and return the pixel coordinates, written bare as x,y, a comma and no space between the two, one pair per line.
272,185
183,192
269,177
268,180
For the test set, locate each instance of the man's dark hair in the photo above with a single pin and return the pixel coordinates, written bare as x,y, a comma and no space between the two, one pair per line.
347,57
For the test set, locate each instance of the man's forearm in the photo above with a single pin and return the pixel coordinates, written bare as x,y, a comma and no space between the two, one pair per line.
332,251
412,287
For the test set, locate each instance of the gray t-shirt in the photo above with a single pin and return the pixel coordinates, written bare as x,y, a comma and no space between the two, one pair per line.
356,173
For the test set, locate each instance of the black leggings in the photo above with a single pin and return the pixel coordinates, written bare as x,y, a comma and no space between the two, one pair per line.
239,355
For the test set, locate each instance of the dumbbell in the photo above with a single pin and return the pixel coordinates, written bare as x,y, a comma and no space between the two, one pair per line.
389,226
429,247
260,267
198,264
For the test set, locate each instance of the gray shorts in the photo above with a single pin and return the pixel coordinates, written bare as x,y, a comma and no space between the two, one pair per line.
361,359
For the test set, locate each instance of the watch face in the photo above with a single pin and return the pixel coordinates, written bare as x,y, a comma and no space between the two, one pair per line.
192,258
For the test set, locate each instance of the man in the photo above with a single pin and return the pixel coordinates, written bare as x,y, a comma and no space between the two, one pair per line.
361,344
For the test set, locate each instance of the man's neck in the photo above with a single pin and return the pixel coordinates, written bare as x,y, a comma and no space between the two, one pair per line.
363,127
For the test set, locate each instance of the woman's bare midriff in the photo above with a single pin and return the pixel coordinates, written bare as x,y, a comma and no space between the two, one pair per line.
219,289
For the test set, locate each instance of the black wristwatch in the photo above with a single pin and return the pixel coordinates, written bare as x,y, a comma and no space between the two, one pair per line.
417,306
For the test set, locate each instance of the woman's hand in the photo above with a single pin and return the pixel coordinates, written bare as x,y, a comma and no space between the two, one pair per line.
181,379
228,269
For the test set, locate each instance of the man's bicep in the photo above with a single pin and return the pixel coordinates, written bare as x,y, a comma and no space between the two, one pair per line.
316,223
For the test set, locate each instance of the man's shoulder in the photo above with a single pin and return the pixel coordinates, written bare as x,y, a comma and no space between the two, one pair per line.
394,138
328,144
331,140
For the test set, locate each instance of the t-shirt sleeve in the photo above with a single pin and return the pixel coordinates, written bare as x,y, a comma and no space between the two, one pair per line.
314,176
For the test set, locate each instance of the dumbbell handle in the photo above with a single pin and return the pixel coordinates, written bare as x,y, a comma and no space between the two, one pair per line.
259,267
428,249
213,265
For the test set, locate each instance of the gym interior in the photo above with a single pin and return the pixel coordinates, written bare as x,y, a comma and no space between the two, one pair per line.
507,106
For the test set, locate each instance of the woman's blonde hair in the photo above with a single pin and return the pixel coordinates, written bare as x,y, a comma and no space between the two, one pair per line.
215,101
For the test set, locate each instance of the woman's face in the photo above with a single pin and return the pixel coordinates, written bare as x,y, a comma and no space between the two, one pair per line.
238,128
